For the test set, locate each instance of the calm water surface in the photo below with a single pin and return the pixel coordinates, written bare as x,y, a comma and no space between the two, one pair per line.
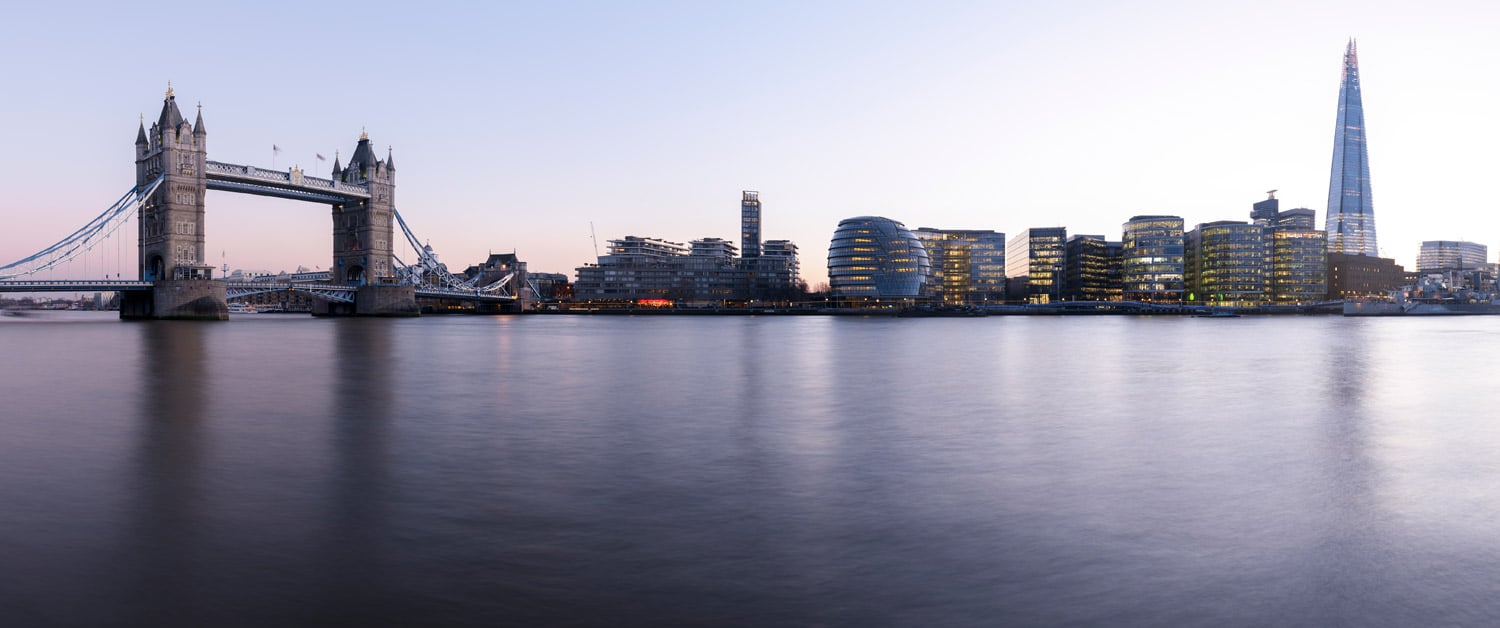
282,470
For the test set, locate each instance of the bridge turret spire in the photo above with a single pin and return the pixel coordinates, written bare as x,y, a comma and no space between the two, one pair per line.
140,134
171,117
390,162
198,124
337,169
363,163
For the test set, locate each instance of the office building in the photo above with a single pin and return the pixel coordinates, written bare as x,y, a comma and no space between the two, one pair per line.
1034,261
1440,256
1091,269
1351,209
1353,275
1301,218
1264,212
1152,259
1299,267
1224,264
1296,263
876,258
968,265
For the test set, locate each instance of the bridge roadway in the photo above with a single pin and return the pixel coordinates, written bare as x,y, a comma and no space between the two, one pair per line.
107,285
327,291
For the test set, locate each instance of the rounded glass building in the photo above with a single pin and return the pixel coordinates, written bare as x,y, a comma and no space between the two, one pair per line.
876,257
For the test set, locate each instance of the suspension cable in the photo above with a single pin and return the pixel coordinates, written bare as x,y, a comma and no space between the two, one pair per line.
83,240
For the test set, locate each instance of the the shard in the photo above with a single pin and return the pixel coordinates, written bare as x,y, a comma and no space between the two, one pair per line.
1351,208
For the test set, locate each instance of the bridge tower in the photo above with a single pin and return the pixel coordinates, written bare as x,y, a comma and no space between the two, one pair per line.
364,234
171,221
363,230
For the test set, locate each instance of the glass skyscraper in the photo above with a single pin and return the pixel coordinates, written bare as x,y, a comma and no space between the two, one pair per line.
1351,210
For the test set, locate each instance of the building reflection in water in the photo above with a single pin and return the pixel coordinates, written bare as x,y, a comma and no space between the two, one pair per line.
360,410
1351,548
166,511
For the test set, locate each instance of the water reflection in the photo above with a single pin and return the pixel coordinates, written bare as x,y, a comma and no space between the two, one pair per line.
1348,557
359,412
167,512
738,470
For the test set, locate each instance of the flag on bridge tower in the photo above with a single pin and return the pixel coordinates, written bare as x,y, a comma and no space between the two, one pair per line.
320,157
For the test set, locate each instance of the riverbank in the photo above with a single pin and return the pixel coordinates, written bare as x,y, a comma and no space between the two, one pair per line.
1072,308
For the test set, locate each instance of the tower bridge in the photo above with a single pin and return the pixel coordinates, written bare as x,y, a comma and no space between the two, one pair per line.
173,175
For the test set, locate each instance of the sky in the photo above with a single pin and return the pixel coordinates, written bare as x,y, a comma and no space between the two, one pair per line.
542,127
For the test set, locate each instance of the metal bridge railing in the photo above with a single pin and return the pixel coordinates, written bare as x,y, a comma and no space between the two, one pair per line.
284,178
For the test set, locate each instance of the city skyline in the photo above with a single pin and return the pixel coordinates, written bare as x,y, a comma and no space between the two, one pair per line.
517,127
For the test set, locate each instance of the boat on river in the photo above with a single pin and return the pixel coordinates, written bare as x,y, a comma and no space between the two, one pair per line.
1429,297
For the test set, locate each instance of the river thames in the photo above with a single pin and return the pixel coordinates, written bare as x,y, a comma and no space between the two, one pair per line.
541,470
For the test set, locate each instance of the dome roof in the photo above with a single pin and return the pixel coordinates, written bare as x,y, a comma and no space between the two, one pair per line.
872,256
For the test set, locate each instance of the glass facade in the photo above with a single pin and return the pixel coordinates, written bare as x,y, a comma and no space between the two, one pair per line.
1034,264
1296,263
1224,264
968,265
1153,255
1445,255
1299,218
1351,207
782,256
704,271
1299,266
750,224
1091,269
876,257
